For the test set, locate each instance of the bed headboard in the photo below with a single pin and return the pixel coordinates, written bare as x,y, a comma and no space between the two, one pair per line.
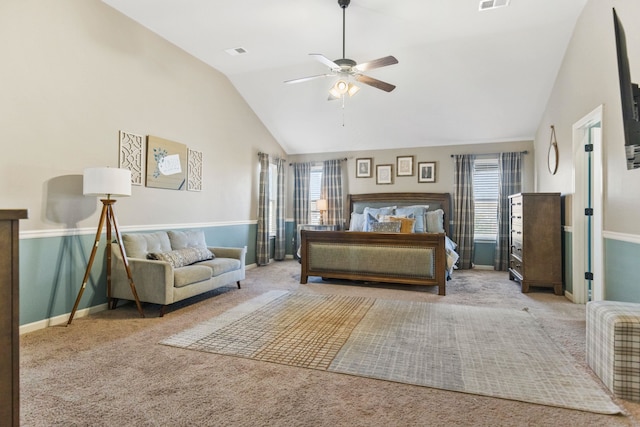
357,203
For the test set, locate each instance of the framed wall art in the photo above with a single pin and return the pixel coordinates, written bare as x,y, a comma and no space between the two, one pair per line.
404,166
194,171
426,172
166,164
384,174
132,155
363,168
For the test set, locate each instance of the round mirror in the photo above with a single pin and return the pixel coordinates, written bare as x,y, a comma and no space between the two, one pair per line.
552,158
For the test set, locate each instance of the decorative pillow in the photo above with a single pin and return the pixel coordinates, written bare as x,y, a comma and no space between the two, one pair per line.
182,257
187,239
375,213
418,212
386,227
407,225
435,221
357,222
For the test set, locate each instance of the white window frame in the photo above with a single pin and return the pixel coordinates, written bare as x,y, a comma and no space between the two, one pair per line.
486,198
315,187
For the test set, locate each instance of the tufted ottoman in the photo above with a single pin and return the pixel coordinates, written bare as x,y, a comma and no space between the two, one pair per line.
613,346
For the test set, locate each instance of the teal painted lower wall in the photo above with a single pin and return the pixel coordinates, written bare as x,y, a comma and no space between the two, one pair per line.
483,253
52,268
620,260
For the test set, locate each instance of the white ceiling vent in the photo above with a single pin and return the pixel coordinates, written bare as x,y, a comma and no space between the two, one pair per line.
492,4
238,51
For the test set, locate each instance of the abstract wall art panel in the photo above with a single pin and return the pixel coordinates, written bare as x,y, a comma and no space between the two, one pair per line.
166,164
132,155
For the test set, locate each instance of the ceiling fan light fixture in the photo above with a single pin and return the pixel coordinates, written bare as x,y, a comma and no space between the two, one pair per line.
343,87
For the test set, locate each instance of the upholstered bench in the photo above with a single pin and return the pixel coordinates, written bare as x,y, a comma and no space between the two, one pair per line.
613,346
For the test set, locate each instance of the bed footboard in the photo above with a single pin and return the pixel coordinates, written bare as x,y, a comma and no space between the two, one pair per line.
415,259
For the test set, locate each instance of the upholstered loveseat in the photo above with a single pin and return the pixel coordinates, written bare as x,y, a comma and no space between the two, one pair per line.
170,266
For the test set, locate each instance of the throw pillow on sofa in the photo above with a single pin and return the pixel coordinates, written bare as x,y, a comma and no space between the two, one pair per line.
182,257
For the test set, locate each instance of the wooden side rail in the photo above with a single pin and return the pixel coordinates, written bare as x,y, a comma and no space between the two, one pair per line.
415,259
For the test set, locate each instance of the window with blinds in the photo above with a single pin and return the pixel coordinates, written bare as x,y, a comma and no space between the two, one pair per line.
315,184
486,192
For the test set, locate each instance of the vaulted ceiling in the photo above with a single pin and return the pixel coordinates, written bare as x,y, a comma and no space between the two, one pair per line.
464,76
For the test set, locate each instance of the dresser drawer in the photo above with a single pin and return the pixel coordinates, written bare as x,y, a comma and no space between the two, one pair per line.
516,265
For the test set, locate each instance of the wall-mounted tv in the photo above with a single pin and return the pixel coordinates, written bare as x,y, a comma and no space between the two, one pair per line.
630,96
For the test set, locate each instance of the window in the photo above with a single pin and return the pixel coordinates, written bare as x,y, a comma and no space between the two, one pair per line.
273,197
486,193
315,184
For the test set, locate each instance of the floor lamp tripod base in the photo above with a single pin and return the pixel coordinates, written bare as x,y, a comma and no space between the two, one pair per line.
107,216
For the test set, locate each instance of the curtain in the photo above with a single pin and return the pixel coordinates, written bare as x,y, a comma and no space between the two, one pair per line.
262,238
280,246
301,178
510,165
332,191
463,210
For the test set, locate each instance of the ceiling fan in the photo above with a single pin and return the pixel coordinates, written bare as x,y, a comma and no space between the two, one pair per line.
348,68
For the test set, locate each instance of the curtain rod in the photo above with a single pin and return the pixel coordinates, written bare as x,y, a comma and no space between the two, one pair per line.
319,161
490,154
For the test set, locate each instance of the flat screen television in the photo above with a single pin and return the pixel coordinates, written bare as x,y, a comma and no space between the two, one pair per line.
630,95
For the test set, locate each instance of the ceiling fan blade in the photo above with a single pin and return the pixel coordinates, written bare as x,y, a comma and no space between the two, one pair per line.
378,84
376,63
306,79
326,61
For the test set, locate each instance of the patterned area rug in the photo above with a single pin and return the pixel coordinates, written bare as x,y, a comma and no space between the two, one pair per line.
487,351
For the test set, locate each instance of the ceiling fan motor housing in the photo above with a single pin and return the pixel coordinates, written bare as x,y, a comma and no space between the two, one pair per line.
344,3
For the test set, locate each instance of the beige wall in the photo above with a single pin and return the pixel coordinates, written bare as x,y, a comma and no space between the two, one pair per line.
589,78
441,155
75,73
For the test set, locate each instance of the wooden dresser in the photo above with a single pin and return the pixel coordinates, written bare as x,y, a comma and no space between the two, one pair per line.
536,240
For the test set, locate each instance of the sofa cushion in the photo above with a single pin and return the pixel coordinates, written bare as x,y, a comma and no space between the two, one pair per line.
184,276
138,245
187,239
182,257
222,265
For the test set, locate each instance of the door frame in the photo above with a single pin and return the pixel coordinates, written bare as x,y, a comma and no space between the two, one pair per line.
581,130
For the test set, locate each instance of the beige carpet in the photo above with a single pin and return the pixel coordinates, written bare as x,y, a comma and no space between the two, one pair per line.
489,351
108,369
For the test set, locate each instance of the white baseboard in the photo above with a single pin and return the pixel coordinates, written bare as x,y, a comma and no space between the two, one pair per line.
61,319
483,267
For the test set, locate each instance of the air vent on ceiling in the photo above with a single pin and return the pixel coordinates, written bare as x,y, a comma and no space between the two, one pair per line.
492,4
236,51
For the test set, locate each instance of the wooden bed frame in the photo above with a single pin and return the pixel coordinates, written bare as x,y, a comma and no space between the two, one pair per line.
415,245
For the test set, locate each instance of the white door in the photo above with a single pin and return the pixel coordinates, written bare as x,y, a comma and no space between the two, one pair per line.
587,259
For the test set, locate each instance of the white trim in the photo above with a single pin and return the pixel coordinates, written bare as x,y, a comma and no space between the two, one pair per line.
61,232
567,228
483,267
61,319
623,237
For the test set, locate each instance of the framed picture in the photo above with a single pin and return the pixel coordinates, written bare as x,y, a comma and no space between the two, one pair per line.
384,174
363,168
427,172
404,166
166,164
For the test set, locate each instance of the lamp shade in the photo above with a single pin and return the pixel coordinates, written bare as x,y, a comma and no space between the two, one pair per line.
321,204
106,181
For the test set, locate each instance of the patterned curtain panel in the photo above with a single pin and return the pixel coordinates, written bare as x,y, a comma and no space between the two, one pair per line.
280,250
510,165
332,191
262,238
301,178
463,210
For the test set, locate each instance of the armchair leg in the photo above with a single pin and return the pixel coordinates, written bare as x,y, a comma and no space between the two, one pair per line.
114,303
239,284
162,309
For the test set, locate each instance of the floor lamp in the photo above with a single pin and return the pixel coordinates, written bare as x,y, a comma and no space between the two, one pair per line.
106,182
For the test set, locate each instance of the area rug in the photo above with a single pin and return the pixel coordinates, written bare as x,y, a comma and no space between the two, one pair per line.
493,352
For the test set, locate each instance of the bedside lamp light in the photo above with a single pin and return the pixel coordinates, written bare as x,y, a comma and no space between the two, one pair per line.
106,182
322,206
